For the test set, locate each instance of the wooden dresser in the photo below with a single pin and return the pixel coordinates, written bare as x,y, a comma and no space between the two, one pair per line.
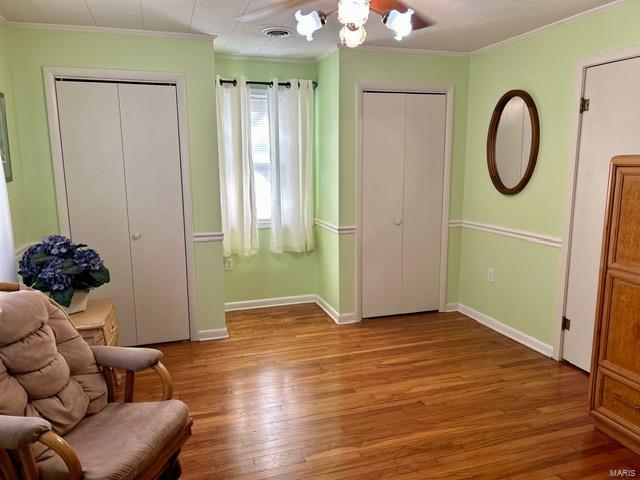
615,369
98,324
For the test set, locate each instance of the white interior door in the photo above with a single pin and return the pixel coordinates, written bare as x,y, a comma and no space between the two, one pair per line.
156,220
402,185
423,184
89,118
382,198
609,128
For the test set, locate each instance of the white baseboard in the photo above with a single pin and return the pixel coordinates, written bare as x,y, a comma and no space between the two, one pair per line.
215,334
269,302
507,331
451,307
339,318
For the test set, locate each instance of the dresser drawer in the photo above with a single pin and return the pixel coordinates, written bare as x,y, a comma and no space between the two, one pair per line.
619,400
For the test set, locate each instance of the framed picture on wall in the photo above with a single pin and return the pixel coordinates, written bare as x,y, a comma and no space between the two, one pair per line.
5,155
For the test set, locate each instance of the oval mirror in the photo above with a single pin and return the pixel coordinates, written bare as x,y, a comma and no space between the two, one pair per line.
513,141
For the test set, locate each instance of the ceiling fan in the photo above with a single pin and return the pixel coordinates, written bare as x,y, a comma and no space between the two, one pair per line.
352,14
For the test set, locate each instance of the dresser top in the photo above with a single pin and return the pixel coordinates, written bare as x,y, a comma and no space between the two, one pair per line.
95,315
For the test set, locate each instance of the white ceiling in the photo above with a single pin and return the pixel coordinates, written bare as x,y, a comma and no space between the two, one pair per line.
461,25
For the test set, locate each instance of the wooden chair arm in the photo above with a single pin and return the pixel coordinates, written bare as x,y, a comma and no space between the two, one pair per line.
165,377
64,450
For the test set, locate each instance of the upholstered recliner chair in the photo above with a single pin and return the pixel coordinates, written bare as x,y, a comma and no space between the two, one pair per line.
58,416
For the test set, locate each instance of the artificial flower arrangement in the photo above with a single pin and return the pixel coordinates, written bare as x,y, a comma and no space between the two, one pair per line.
61,268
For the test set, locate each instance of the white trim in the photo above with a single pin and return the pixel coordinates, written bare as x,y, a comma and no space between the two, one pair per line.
214,334
444,53
49,77
339,318
346,230
582,66
119,31
324,55
451,307
255,58
535,31
508,232
200,237
448,90
507,331
269,302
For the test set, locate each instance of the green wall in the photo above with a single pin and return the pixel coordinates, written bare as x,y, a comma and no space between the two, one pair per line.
268,275
527,289
33,199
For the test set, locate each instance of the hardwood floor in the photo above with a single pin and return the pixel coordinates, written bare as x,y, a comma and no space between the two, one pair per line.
291,395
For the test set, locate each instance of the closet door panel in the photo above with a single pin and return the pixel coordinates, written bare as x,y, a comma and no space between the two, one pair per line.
96,197
153,177
423,185
382,184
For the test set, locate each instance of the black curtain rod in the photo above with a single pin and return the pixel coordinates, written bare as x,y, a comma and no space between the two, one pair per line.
268,84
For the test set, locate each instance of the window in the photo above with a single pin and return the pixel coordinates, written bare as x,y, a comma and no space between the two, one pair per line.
261,152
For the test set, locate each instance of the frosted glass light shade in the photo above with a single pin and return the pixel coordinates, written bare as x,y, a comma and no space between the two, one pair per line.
352,38
353,12
309,23
400,23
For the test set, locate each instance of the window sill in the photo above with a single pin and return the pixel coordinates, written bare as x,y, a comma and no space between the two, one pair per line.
264,224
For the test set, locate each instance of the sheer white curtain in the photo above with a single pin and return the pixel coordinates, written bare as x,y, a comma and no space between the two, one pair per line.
291,124
237,189
7,251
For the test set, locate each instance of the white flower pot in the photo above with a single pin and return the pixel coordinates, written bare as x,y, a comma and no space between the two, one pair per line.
78,303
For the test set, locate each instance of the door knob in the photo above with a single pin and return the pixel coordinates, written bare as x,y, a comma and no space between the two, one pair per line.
398,221
136,236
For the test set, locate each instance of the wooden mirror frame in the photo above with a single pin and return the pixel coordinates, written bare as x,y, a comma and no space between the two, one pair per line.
492,136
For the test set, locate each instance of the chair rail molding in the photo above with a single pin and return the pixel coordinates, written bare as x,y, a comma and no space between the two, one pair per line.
345,230
508,232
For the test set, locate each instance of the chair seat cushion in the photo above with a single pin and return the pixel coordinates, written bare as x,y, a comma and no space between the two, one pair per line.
120,442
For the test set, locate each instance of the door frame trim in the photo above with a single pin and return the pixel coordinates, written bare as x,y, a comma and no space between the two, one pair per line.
49,76
582,66
448,91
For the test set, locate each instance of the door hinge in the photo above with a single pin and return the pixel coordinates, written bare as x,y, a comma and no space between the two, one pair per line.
585,103
566,323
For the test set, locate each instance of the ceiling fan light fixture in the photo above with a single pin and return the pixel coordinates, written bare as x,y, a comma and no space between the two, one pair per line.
309,23
400,23
352,36
353,12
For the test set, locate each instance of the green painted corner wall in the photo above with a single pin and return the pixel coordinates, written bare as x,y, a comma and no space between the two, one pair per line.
527,291
267,275
34,203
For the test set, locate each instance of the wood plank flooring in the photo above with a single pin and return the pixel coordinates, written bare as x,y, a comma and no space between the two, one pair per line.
291,395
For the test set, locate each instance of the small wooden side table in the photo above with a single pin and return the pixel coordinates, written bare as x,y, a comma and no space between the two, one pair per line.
98,324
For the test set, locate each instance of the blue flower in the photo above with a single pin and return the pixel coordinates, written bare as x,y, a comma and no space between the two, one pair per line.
87,258
52,277
26,268
58,245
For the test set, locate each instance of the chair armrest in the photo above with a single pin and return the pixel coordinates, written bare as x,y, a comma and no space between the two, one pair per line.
17,432
126,358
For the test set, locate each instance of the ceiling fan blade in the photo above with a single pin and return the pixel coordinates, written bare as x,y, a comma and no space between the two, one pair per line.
418,20
269,10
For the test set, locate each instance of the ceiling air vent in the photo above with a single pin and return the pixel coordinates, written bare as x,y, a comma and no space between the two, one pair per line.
276,32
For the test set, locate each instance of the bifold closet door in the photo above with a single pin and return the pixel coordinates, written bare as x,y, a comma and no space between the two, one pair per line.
89,117
402,186
121,155
153,174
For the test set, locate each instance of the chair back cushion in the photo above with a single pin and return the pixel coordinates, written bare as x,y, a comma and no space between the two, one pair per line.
46,368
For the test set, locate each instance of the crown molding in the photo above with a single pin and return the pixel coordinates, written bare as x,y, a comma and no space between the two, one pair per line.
255,58
535,31
3,21
321,57
120,31
374,48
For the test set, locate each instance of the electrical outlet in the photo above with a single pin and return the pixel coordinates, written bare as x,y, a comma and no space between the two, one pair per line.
228,263
490,274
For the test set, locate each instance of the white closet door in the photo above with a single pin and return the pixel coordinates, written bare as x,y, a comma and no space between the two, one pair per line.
89,119
154,191
382,186
609,128
423,185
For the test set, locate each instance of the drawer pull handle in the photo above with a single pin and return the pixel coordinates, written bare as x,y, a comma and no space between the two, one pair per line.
628,403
